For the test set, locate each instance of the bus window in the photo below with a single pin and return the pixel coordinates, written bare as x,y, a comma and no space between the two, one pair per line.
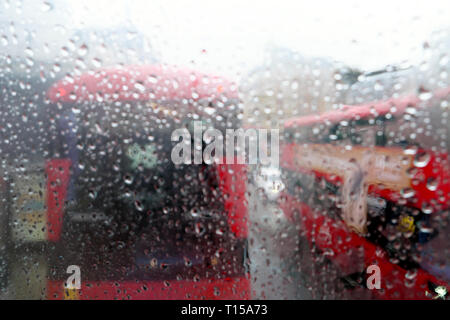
369,133
359,133
423,126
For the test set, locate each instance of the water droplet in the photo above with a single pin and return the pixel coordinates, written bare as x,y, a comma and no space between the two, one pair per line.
97,62
432,184
411,150
56,67
421,159
76,110
46,6
92,194
425,228
411,110
427,208
411,274
128,179
199,228
4,40
138,205
29,52
65,51
152,79
83,50
407,193
140,86
425,94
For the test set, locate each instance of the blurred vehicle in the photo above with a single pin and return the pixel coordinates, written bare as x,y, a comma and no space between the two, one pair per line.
269,180
370,185
109,199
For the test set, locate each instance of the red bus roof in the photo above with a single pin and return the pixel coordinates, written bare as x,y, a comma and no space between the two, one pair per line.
393,106
142,82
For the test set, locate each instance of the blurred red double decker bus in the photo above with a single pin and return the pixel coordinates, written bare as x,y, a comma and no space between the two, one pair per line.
370,185
137,225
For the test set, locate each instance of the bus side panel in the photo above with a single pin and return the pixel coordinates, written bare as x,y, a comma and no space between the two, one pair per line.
336,241
58,176
437,169
210,289
232,181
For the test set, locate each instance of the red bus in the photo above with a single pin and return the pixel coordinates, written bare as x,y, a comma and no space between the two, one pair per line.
370,185
137,225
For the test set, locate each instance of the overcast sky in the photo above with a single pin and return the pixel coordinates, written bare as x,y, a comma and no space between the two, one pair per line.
230,36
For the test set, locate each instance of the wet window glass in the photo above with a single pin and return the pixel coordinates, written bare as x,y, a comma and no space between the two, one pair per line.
224,150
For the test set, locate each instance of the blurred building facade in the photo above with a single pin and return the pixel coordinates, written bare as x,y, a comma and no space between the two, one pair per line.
289,85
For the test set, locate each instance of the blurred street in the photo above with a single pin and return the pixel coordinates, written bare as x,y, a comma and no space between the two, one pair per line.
273,244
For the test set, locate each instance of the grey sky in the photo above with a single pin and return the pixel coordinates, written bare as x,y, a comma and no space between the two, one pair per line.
230,36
